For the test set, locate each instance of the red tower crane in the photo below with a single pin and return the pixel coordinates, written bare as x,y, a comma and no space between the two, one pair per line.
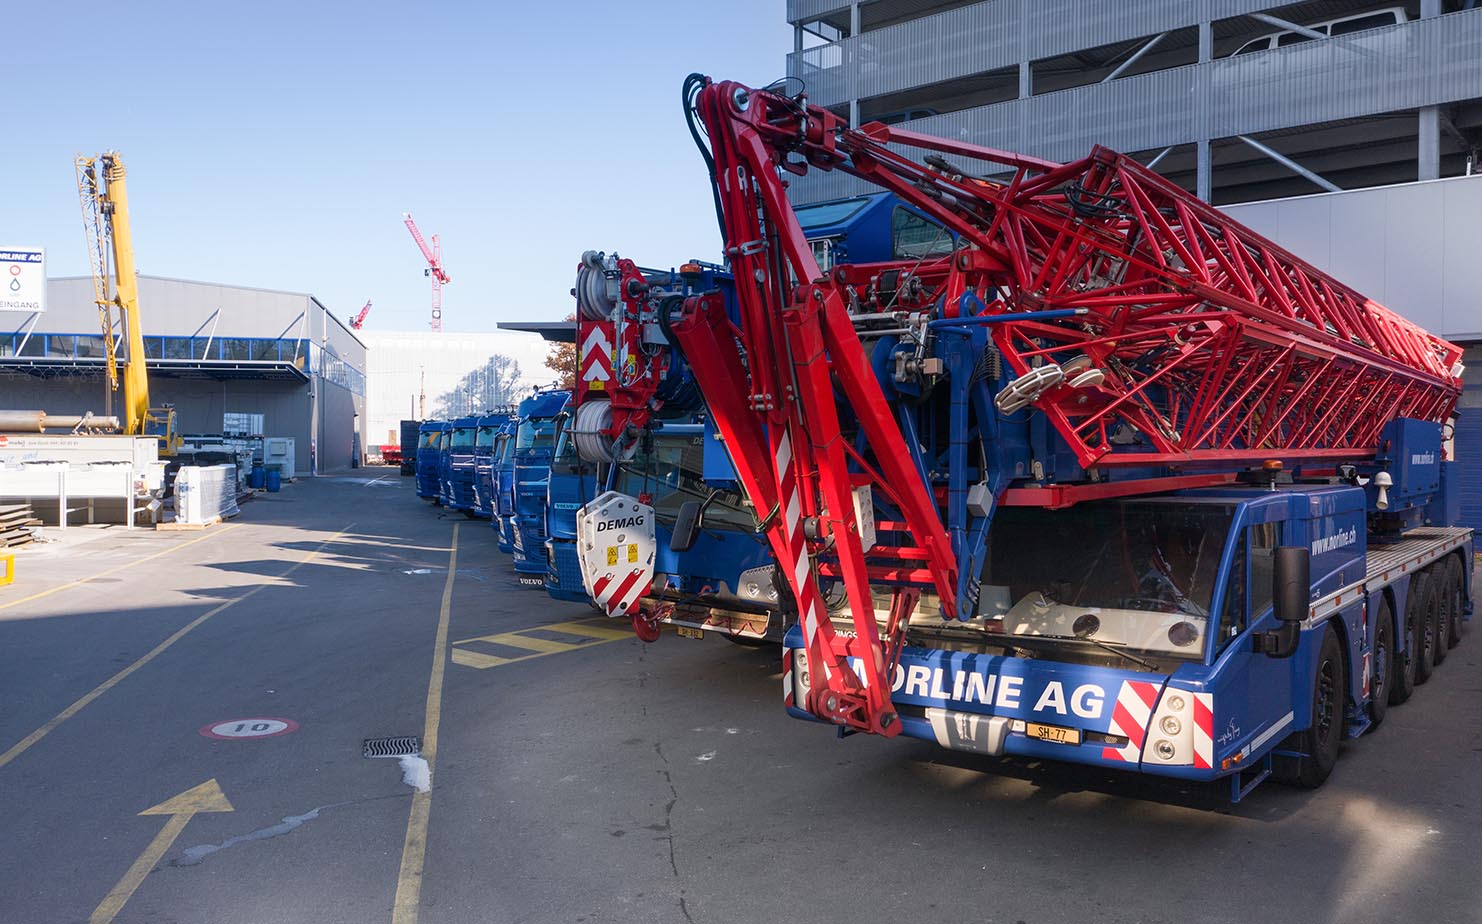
357,322
434,257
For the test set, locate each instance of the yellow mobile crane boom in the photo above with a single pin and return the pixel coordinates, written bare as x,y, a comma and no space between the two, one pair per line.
103,190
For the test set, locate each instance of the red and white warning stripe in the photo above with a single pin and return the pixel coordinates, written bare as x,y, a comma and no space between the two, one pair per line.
809,603
1130,719
618,596
1203,727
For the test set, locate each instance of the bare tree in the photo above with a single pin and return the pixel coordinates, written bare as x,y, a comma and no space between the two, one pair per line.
494,383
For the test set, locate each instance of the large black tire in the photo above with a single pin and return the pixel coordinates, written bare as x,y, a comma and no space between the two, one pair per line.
1440,644
1320,742
1403,684
1455,582
1382,664
1426,625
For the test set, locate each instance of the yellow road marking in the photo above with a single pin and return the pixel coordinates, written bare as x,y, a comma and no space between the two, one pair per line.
592,630
414,847
23,745
128,564
206,797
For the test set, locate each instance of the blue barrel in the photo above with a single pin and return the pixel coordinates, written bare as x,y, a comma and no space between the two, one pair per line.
256,477
274,480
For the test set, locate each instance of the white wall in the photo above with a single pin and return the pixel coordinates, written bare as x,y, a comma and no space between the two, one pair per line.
1415,248
397,360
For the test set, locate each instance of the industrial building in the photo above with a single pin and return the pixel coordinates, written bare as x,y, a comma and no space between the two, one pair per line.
1349,132
415,375
212,350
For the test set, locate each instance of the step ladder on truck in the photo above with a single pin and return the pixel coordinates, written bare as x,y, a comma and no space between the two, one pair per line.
1115,481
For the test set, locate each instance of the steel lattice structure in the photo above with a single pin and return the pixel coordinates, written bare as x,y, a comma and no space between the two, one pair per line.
1150,329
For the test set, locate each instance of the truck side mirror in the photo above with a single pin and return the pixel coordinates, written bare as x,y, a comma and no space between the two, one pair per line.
1291,595
687,525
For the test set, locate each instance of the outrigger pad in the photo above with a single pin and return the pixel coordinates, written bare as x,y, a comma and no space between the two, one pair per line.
615,546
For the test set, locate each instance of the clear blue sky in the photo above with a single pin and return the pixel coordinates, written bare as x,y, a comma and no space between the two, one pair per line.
276,144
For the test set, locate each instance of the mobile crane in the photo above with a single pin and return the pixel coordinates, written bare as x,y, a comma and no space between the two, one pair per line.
103,191
1113,480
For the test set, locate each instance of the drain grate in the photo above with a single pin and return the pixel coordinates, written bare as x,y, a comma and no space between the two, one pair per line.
405,746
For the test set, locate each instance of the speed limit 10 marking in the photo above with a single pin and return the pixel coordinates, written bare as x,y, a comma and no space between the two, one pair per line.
261,727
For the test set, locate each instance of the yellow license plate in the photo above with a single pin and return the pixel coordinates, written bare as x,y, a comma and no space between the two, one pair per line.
1053,733
687,632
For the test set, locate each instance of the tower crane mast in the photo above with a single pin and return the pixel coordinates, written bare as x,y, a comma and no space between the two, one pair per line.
440,278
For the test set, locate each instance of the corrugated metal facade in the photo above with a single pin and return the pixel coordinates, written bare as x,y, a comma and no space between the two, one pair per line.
1421,63
210,323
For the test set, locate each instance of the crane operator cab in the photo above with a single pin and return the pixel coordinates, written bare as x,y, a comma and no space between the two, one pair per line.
160,422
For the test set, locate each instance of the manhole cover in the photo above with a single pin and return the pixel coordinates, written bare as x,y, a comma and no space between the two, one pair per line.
391,747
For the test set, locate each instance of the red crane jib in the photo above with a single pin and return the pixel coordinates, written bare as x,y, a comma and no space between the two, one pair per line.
1215,346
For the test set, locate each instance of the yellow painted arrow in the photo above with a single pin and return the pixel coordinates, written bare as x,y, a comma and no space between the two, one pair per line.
206,797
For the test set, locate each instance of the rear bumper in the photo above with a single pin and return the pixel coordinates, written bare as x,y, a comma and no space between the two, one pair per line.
1044,709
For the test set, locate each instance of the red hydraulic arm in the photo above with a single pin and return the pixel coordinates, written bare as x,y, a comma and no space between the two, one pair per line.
357,322
1175,337
434,257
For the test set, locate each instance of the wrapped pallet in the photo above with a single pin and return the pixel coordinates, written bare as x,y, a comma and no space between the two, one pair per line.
205,493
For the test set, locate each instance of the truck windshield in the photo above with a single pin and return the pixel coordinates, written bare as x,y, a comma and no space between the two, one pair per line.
1130,574
566,461
671,473
536,434
443,437
485,437
507,449
463,438
828,213
429,439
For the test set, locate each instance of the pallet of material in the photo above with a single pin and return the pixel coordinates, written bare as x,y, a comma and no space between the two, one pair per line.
174,525
15,523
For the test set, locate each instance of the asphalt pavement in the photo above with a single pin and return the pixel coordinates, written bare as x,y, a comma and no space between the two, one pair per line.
223,682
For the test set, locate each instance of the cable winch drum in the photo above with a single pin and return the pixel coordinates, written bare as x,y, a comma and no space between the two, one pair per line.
595,293
589,430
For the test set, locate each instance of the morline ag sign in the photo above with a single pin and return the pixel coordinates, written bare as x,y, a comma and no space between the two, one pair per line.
22,279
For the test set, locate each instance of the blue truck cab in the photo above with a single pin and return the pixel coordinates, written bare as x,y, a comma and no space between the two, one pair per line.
1152,634
458,484
726,581
502,476
541,416
429,458
572,483
485,446
869,229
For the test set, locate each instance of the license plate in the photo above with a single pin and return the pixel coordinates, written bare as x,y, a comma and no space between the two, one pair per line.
687,632
1053,733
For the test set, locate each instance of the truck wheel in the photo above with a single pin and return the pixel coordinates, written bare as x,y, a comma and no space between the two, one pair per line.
1383,664
1441,637
1319,743
1456,588
1425,628
1403,684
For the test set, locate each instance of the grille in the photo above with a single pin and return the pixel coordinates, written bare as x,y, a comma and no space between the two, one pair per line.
406,746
